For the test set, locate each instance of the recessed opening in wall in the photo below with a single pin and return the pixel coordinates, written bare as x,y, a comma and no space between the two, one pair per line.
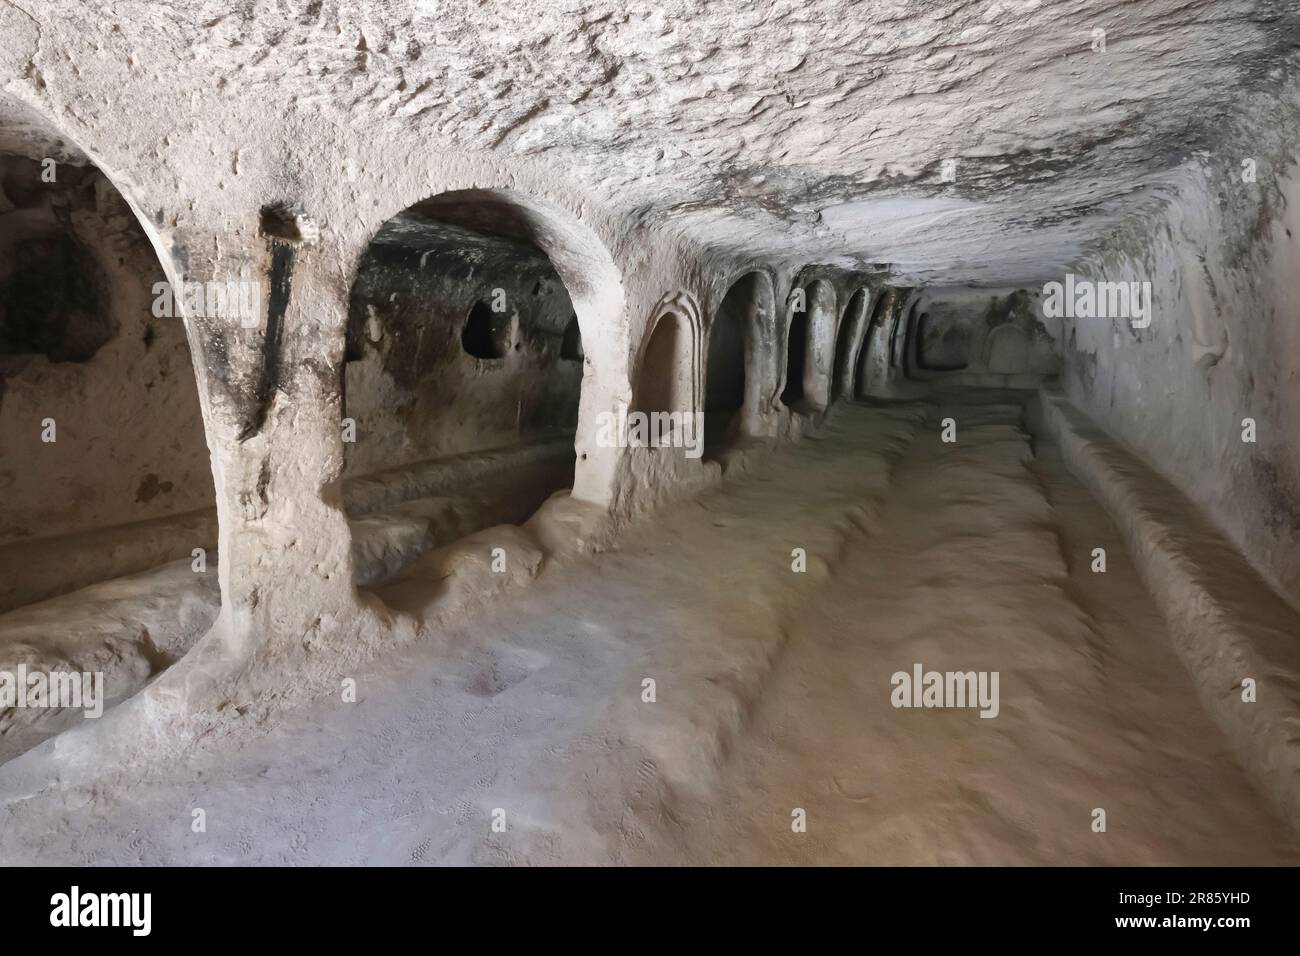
725,366
571,347
943,344
796,351
445,446
487,333
55,301
872,362
900,336
850,325
108,525
663,381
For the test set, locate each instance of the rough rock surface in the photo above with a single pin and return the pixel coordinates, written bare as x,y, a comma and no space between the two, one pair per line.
863,173
771,692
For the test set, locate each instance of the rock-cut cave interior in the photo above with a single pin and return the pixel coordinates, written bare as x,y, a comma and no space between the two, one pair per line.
729,433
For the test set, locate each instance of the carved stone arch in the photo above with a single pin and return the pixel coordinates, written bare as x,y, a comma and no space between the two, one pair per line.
668,372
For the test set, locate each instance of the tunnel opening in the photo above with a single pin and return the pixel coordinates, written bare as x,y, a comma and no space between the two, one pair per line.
462,382
54,302
486,334
571,347
108,527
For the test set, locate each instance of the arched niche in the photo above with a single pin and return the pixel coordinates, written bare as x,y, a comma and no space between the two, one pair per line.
810,345
847,343
872,362
739,375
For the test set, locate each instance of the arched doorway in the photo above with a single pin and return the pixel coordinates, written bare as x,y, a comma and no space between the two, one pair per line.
462,381
108,524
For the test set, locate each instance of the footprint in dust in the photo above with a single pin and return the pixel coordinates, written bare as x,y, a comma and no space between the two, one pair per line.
419,850
851,793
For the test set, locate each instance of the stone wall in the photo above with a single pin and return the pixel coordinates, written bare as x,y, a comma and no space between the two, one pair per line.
1221,254
984,338
79,344
426,294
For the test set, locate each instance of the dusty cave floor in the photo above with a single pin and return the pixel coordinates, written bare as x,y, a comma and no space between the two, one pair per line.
772,692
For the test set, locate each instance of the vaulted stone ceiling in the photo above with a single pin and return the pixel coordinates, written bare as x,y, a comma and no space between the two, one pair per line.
786,129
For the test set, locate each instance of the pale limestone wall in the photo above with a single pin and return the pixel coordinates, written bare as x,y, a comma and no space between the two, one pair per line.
984,337
1223,345
129,442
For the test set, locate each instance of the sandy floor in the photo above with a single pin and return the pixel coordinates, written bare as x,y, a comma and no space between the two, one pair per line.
772,691
982,562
